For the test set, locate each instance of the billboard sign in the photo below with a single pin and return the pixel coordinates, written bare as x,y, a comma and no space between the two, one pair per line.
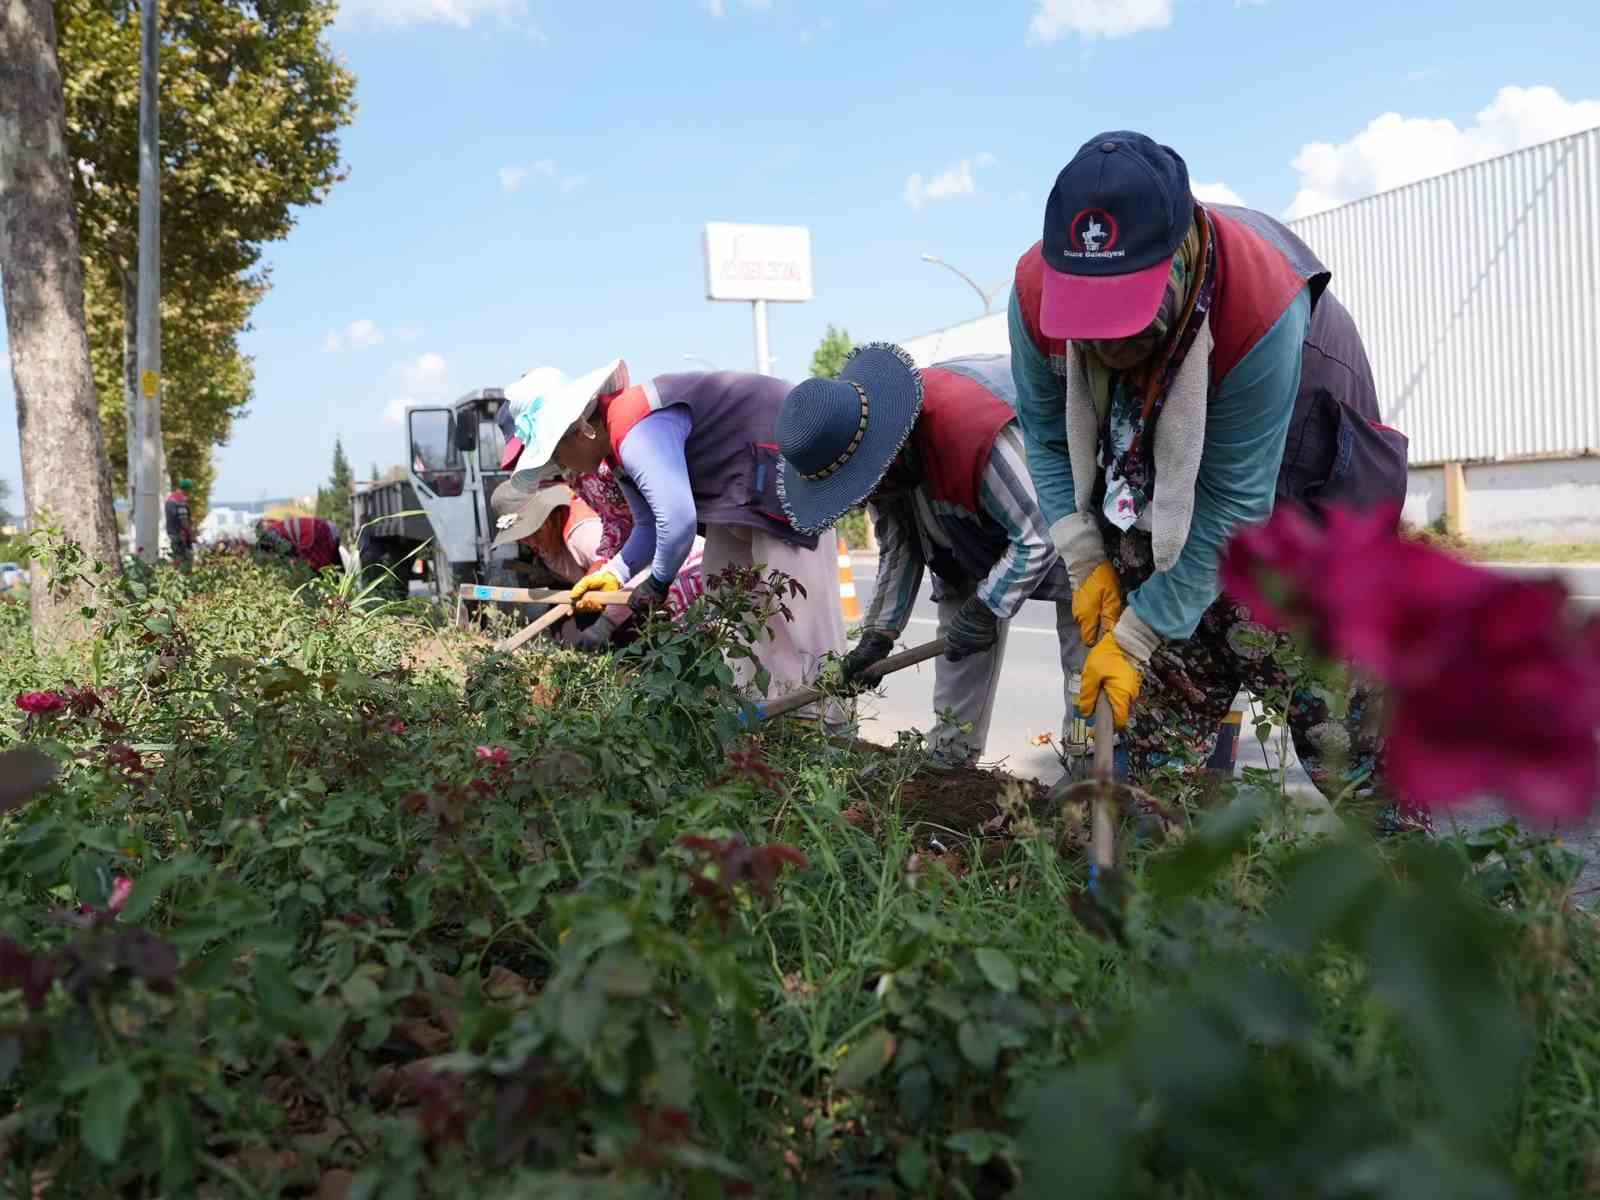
757,262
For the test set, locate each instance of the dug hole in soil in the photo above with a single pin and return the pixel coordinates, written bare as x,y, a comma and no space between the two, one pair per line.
959,800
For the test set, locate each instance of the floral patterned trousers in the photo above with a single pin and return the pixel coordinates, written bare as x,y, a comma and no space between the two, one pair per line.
1190,686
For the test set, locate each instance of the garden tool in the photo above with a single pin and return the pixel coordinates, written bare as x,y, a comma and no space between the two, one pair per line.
895,662
1101,910
563,608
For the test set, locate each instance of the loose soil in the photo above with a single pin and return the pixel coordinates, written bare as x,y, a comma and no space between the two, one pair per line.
962,799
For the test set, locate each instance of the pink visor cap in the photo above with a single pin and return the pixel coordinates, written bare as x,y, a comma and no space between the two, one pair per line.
1118,213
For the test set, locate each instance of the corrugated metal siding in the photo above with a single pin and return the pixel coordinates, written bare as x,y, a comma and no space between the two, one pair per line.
1478,296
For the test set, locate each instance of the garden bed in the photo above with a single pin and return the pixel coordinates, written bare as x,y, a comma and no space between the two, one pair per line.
325,903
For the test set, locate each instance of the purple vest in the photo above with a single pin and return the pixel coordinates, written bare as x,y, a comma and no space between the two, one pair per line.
732,450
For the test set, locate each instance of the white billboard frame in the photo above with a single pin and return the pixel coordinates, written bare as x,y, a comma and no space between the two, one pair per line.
757,264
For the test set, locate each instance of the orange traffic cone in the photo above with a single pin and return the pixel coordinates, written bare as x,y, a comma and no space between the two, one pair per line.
848,604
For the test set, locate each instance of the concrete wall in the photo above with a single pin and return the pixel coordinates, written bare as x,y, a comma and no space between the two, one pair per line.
1544,501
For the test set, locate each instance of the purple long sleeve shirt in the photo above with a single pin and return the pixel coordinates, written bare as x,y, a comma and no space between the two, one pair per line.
655,482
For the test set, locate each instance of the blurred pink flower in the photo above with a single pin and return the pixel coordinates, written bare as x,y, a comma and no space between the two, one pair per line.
494,754
121,889
41,702
1493,688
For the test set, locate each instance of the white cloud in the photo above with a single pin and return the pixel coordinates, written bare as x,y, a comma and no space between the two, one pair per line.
546,170
420,381
719,8
398,14
956,181
358,335
1215,193
1097,18
1393,151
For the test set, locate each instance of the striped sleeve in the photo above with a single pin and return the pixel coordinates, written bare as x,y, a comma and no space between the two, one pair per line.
1007,497
899,569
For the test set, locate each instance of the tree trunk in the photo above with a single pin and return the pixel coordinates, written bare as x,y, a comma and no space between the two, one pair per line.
65,476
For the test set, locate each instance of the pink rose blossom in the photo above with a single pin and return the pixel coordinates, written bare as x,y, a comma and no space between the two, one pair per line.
37,703
1493,688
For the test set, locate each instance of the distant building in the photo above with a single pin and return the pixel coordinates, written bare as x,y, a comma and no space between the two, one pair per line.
221,524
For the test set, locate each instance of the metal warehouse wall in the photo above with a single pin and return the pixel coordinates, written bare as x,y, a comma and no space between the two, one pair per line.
1478,297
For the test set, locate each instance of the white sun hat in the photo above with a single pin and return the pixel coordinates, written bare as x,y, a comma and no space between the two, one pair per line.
547,416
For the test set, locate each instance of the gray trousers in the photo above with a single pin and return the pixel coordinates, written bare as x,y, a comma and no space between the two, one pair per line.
966,689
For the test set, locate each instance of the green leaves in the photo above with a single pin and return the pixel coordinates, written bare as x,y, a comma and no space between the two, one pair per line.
997,969
109,1096
870,1054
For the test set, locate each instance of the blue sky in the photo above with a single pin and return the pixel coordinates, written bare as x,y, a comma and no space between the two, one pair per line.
528,178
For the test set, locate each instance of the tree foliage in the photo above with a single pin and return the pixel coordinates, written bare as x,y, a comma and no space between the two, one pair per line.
333,501
831,352
252,100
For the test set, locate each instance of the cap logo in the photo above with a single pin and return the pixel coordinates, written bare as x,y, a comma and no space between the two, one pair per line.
1092,234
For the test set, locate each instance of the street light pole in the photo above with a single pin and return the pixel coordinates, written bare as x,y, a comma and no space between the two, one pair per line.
986,297
147,502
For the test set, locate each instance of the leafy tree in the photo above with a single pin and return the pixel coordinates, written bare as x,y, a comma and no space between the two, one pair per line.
65,477
252,100
373,478
5,495
333,501
831,353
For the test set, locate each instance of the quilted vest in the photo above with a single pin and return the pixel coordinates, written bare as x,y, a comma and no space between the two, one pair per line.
732,451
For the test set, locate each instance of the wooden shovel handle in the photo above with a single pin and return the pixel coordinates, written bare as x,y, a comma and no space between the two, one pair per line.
895,662
1102,844
506,645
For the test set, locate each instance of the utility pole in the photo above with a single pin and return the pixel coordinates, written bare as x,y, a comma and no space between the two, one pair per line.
147,503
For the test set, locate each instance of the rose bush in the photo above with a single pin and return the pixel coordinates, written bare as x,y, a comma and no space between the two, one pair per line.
323,899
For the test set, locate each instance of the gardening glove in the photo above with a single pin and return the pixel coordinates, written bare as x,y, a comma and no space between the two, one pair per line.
647,596
1097,603
1116,666
1096,594
855,668
974,630
602,579
597,636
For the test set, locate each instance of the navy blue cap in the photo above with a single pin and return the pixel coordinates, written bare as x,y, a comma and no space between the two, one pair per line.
1116,216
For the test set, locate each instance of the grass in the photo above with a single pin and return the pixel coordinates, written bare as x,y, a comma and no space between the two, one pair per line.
1505,550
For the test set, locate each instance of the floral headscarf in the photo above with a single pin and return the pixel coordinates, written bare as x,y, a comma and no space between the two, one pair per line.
1129,377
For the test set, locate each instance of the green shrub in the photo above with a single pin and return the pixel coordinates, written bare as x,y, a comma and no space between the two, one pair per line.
321,886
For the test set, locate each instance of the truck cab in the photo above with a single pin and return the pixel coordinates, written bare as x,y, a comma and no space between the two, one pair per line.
454,467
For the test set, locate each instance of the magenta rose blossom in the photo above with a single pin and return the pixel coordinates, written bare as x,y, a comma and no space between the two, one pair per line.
37,703
1492,687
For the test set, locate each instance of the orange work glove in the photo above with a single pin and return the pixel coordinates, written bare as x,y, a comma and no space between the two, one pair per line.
1097,603
1109,669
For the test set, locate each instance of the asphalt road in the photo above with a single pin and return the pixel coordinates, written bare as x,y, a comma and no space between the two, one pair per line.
1030,701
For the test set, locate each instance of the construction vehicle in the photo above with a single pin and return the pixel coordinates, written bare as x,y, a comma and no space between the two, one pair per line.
438,514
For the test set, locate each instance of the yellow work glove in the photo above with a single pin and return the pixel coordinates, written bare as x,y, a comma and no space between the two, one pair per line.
1108,668
602,579
1097,603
